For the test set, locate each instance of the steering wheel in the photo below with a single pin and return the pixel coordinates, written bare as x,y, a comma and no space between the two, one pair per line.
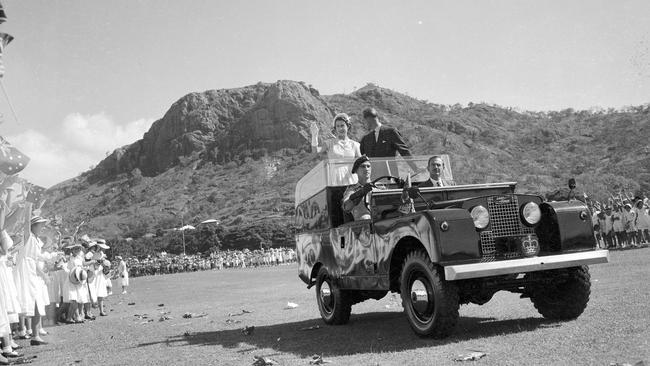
374,181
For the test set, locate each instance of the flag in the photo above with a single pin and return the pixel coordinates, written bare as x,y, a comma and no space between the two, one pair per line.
3,15
15,220
12,161
6,39
36,195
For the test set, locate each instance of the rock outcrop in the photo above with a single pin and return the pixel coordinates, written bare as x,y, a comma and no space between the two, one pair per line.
221,123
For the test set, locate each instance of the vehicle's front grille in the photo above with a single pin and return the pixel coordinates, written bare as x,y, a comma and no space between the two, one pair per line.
504,222
504,215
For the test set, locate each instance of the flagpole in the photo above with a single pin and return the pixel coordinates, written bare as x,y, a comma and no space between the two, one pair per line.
9,101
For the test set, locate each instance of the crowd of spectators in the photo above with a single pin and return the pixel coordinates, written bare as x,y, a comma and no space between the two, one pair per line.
165,263
621,222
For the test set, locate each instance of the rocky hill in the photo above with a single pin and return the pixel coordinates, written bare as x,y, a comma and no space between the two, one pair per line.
235,155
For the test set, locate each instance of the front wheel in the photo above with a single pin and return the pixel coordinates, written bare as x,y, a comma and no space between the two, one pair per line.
567,297
333,303
430,302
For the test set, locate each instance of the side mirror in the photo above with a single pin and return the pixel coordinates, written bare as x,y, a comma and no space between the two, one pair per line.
572,186
572,183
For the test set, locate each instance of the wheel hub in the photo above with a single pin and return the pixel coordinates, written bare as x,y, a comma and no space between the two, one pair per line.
326,295
420,297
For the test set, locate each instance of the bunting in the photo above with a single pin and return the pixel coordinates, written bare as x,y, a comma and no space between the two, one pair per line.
36,195
12,161
5,39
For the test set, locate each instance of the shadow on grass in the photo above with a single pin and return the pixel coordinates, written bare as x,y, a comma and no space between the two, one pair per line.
365,333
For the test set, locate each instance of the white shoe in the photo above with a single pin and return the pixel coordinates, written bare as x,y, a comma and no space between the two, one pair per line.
42,332
124,292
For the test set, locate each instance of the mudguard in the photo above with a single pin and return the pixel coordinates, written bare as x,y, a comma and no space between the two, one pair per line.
565,226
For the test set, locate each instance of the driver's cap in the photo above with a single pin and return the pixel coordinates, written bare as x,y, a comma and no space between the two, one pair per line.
357,163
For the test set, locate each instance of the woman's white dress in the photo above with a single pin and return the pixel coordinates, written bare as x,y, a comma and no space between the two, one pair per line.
31,288
7,285
123,273
341,149
642,219
5,329
92,288
101,282
76,292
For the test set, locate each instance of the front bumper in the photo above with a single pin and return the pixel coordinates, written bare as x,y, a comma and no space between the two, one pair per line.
486,269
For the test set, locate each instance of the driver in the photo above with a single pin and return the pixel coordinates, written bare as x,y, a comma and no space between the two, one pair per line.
356,198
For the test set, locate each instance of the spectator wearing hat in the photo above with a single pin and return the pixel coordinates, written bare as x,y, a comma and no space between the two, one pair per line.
619,226
100,283
642,222
8,292
607,227
60,277
9,305
595,220
89,264
32,291
77,294
341,146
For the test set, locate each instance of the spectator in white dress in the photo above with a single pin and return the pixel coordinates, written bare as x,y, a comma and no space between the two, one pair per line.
122,273
100,282
89,265
619,226
77,294
32,292
642,222
630,224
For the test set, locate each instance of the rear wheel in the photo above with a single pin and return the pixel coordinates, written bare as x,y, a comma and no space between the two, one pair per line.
430,302
565,298
333,303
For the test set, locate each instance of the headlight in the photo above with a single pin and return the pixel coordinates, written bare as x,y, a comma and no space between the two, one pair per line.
480,216
530,213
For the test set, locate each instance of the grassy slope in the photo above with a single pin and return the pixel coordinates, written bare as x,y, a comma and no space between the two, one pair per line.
614,327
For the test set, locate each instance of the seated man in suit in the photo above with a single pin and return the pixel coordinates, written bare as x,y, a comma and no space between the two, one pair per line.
356,198
436,166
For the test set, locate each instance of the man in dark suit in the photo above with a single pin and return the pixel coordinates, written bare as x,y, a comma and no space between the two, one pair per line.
436,166
383,142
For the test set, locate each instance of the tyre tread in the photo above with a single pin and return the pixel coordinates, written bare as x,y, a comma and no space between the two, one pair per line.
446,320
575,297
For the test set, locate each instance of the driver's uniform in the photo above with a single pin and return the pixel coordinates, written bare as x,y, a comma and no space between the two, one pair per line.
361,210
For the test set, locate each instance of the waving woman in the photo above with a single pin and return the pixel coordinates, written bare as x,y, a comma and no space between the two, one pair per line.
339,147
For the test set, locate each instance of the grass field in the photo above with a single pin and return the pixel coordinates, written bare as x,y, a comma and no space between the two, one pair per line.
614,327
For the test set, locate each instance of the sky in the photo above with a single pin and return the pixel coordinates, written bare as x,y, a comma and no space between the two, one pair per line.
88,76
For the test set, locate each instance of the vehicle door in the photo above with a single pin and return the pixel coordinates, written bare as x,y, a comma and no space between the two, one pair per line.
353,248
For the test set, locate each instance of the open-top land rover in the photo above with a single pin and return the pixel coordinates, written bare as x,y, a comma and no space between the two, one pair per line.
462,244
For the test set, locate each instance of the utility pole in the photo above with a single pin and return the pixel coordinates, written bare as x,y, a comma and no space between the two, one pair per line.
183,234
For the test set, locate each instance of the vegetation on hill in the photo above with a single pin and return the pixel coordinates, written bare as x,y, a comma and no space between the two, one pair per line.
235,156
